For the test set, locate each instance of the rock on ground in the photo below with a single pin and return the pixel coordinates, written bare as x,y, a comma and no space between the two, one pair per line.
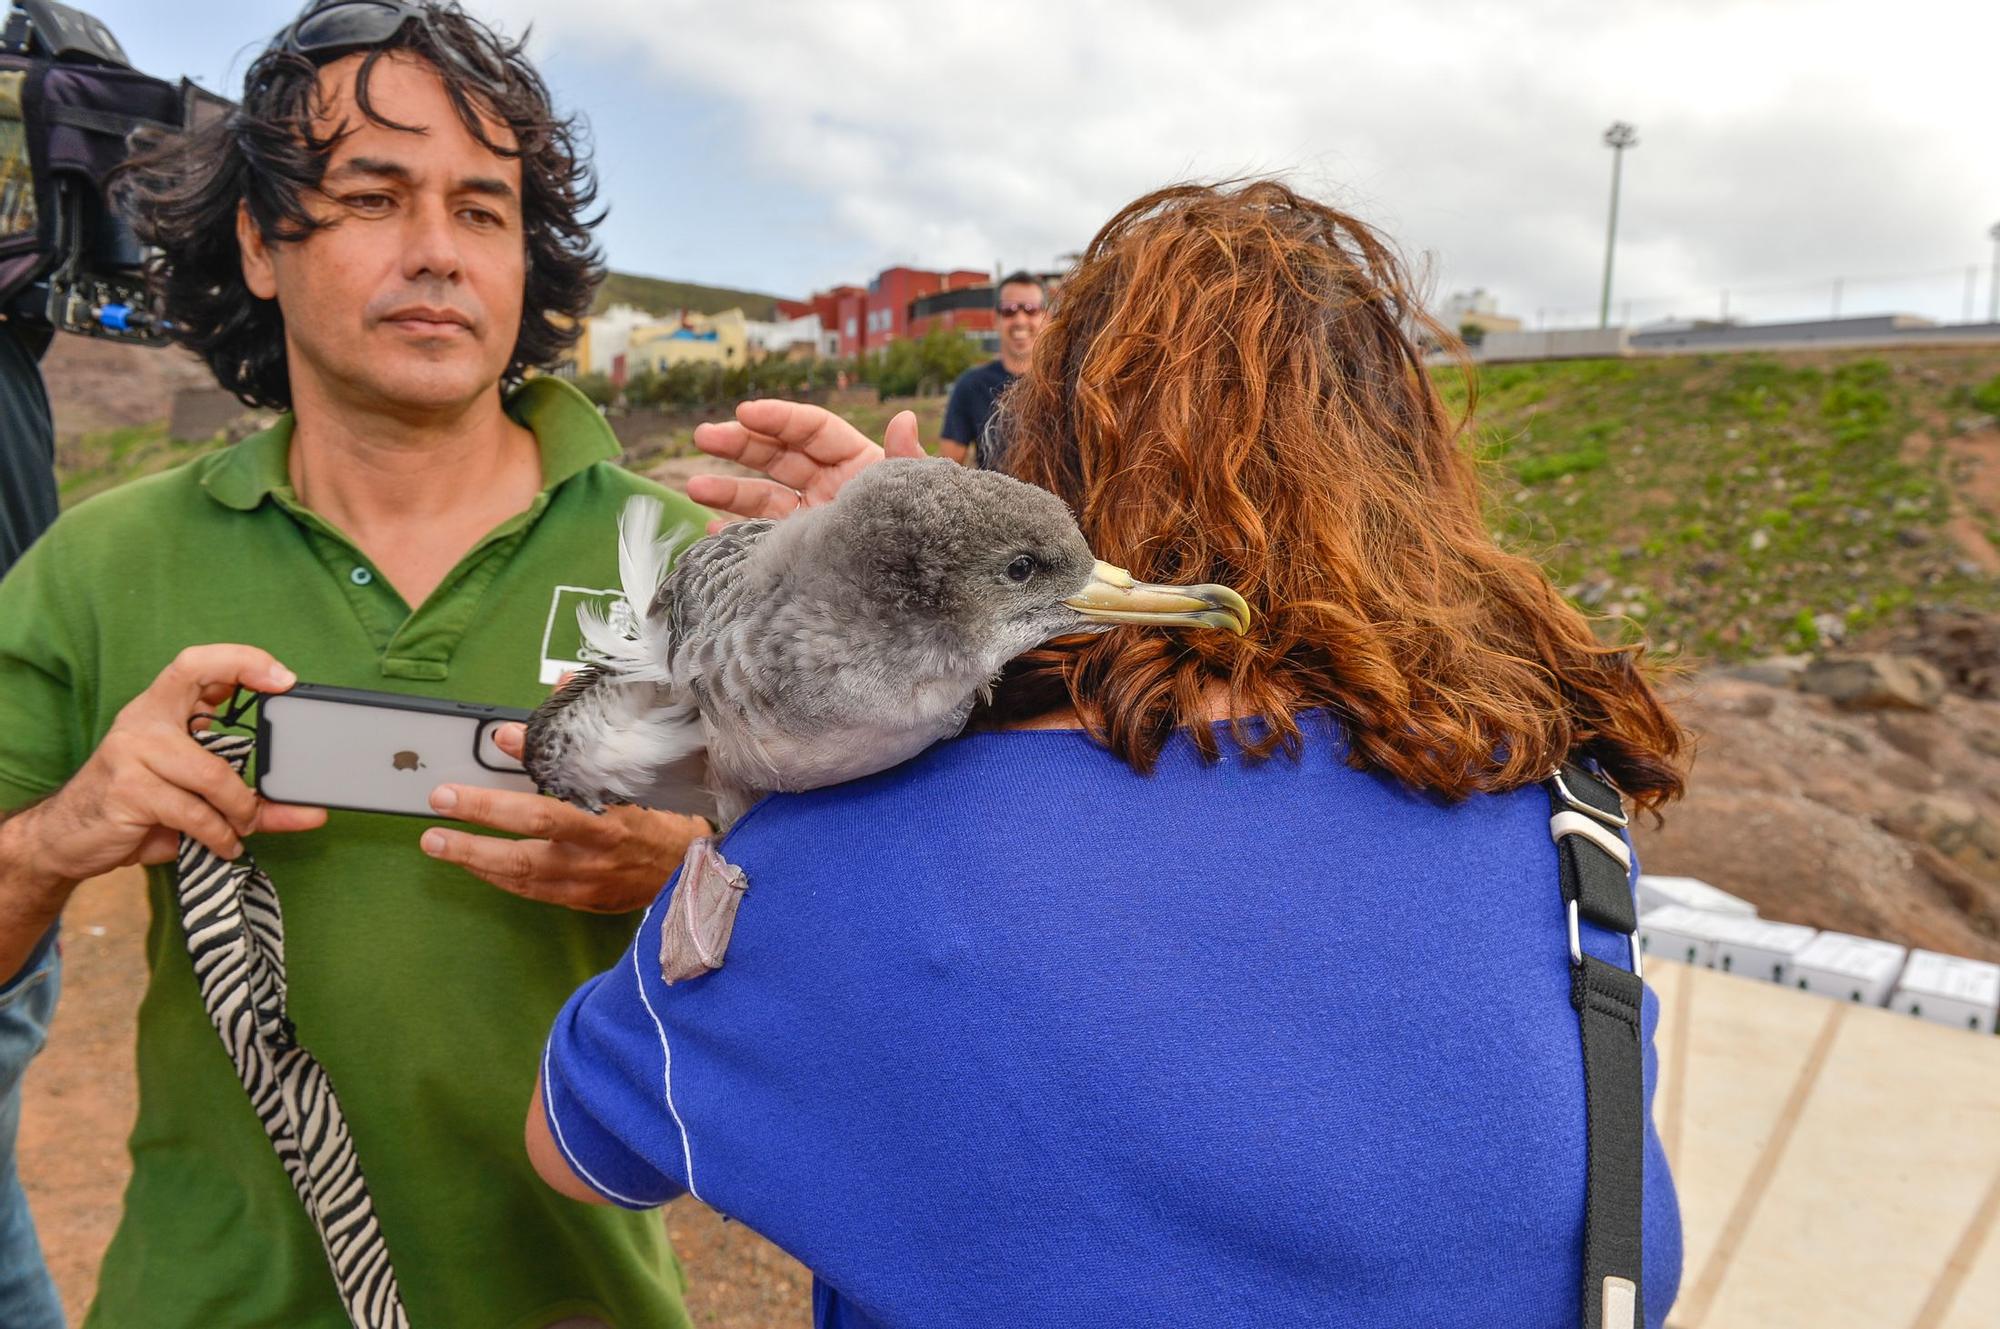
1881,823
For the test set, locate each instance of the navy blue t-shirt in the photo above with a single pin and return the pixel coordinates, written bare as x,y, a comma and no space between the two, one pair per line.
968,412
1243,1044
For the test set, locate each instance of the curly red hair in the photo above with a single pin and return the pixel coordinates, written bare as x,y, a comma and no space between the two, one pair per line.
1228,390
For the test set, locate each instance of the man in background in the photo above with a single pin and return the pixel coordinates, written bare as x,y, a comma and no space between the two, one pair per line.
967,436
28,993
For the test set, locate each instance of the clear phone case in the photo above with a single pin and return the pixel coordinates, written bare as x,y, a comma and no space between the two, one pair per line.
378,752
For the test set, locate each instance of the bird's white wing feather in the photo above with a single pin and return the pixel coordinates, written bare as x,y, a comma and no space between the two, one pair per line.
637,744
643,555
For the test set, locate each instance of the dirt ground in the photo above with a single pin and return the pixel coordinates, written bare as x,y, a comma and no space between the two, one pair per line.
97,385
81,1097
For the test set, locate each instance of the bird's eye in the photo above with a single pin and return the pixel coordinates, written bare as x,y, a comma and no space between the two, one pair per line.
1021,568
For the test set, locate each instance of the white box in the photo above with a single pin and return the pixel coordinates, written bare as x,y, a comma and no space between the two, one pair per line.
1660,892
1678,933
1757,948
1848,968
1949,989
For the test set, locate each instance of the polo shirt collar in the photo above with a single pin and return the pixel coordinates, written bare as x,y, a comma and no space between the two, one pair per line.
568,428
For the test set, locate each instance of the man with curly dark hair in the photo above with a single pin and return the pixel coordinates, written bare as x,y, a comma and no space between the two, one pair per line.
381,242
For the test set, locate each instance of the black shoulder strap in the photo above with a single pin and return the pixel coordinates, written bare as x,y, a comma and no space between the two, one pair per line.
1585,814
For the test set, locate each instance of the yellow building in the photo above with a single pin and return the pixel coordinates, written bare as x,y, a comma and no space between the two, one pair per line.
576,359
707,339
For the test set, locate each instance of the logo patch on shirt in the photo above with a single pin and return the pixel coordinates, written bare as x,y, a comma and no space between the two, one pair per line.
562,639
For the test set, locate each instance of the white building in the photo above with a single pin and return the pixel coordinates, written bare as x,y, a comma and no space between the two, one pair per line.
1476,308
779,336
610,335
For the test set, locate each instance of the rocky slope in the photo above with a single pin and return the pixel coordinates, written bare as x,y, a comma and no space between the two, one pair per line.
1880,818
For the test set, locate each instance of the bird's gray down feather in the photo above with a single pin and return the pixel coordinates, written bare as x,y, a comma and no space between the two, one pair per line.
796,654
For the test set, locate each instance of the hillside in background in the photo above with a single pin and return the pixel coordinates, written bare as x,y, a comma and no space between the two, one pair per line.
656,295
1727,507
1734,506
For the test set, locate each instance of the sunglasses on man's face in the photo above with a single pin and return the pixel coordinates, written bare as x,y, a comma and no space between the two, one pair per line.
1010,309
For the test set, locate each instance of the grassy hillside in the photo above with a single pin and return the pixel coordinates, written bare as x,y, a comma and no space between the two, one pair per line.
1724,506
106,459
1731,506
656,295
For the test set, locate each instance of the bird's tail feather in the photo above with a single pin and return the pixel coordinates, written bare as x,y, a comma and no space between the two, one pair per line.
604,739
643,553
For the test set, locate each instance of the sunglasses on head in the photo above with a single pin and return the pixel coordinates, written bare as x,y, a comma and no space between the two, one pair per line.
1011,308
347,24
334,27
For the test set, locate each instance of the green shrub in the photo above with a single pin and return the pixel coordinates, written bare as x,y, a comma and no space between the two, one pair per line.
1856,402
1987,396
1536,470
597,387
928,364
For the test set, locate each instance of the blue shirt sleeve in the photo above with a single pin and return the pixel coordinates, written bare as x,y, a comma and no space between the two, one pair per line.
607,1086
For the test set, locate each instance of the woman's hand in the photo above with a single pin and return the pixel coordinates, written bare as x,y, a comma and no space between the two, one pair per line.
808,451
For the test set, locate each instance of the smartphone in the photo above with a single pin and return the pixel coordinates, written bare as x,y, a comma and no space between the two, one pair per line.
378,751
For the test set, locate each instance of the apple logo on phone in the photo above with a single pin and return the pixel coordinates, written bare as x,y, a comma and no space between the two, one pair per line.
407,761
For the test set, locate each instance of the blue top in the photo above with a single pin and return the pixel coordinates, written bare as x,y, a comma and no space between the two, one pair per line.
968,412
1242,1044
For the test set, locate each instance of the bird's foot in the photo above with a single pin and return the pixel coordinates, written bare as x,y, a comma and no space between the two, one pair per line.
702,915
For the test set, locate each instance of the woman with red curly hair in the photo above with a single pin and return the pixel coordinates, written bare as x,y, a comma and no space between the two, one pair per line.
1210,979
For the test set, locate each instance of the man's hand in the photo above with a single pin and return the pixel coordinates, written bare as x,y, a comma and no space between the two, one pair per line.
148,782
600,864
808,451
145,785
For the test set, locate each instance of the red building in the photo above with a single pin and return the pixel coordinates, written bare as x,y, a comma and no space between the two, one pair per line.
964,309
835,308
894,289
868,319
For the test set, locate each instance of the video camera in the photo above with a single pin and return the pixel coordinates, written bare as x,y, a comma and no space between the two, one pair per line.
71,109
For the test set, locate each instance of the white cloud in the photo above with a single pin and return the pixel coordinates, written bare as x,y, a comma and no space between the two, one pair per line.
1781,141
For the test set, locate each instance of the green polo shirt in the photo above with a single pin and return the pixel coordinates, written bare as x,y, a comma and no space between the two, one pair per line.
425,992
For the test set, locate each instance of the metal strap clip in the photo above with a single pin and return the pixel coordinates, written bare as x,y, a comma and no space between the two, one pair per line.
1569,796
1575,823
1576,943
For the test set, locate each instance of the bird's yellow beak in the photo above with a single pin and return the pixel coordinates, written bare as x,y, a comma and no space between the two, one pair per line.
1113,597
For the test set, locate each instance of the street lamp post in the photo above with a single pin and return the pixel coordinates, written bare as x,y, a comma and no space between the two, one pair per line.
1618,138
1993,301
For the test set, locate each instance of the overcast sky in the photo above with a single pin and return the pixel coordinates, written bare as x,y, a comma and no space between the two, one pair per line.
784,146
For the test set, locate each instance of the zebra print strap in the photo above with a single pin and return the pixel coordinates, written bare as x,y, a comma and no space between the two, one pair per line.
236,936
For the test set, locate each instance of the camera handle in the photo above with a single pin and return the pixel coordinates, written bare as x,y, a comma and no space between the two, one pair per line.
116,307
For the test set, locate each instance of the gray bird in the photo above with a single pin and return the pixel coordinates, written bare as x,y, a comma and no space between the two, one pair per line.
831,645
